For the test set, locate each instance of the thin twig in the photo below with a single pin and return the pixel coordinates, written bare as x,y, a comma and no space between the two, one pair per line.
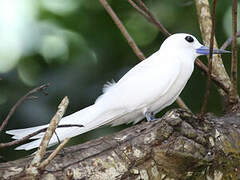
127,36
53,154
122,29
139,9
26,138
48,134
208,84
19,102
181,104
152,18
218,83
233,98
143,10
229,41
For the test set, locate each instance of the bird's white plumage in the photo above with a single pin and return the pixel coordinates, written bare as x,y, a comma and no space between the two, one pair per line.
148,87
108,86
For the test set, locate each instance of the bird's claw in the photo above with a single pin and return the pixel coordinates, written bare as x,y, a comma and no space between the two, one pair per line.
150,116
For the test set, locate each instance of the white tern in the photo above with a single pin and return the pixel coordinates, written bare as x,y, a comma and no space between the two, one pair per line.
143,91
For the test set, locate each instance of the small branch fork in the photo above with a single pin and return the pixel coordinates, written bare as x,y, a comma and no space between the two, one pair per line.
29,95
233,98
208,84
36,164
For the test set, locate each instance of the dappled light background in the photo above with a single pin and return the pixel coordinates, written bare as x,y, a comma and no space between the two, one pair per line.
76,47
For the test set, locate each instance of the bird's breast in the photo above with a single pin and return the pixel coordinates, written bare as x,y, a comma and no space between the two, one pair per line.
174,91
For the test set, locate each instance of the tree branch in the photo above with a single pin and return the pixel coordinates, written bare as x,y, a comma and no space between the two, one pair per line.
37,165
178,146
50,131
204,17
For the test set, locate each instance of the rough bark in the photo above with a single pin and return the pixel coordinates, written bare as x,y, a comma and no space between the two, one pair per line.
178,146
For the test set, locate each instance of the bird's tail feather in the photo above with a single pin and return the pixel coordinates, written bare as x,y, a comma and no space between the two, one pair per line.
90,117
20,133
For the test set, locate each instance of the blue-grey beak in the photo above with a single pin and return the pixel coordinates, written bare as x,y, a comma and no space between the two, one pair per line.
205,51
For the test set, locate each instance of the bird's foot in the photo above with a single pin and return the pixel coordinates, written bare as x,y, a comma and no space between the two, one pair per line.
150,116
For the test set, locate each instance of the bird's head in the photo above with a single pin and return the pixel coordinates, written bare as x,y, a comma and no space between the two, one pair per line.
187,45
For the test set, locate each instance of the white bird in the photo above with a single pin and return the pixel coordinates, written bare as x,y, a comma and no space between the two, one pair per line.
142,92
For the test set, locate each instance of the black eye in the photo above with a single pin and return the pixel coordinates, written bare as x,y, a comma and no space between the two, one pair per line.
189,39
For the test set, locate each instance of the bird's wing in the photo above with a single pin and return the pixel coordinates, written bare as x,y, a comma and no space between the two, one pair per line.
143,84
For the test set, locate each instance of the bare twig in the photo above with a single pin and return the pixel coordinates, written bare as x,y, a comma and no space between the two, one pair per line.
145,13
229,41
130,41
20,101
139,9
48,134
233,96
153,19
218,83
26,138
181,104
122,29
208,84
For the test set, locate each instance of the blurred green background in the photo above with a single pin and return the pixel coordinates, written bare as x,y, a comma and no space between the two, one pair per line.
75,46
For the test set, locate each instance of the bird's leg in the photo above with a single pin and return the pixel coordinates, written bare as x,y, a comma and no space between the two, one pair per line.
57,138
59,142
150,116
